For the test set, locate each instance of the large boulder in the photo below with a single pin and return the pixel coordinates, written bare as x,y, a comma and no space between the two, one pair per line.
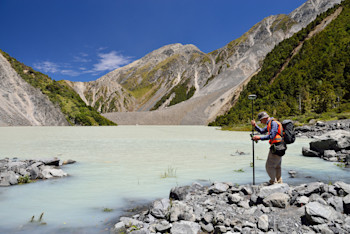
276,188
160,208
317,213
280,200
8,178
333,140
179,193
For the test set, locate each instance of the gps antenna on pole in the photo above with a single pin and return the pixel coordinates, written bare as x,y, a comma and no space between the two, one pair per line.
253,97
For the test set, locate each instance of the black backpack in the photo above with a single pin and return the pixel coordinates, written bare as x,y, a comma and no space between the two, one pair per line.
288,131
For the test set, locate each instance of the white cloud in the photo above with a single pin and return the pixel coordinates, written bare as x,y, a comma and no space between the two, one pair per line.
47,66
105,63
110,61
70,73
82,58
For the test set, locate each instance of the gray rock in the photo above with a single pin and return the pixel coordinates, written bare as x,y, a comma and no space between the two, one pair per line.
45,174
263,223
333,140
16,166
276,188
292,173
246,190
346,204
220,229
218,188
316,213
332,159
340,185
234,198
11,177
181,211
51,161
160,208
329,153
179,193
280,200
244,204
207,227
336,203
37,164
331,190
33,172
23,172
8,178
301,201
320,124
248,224
57,172
309,153
130,222
119,227
163,226
185,227
208,217
315,187
304,128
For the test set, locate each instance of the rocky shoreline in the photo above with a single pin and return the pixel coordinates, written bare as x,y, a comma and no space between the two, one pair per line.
14,171
332,146
318,128
227,208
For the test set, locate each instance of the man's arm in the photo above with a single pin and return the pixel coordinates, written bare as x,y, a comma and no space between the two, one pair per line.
261,130
273,132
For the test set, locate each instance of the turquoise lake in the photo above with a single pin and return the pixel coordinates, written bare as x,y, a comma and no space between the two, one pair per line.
122,167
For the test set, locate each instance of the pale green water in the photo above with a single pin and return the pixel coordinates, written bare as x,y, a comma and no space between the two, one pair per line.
118,166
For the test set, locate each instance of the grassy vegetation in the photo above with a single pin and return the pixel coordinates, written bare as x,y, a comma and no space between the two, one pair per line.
314,85
182,93
24,179
283,22
60,94
239,170
170,173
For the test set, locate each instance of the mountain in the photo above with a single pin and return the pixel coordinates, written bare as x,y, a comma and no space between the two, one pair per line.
21,104
307,75
182,85
31,98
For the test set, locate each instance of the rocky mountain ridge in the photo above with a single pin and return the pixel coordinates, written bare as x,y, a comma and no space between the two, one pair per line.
180,78
23,105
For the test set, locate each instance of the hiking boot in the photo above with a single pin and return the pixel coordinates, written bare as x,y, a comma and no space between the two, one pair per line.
280,181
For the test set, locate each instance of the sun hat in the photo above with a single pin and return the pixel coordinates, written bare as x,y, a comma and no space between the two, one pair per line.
263,115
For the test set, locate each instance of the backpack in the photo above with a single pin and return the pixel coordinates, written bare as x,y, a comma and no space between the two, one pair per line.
288,131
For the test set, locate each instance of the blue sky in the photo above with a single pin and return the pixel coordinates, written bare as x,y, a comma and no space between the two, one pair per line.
82,40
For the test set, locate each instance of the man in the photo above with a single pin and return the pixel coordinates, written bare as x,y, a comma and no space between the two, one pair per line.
275,136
